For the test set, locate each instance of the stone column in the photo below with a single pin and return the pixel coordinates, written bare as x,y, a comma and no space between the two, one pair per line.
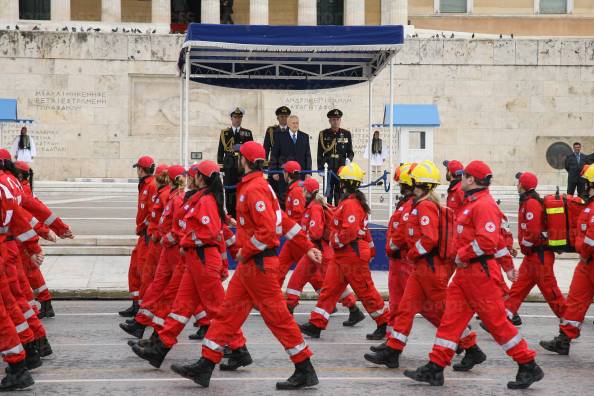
211,11
394,12
111,10
354,12
307,13
60,10
9,11
258,12
161,11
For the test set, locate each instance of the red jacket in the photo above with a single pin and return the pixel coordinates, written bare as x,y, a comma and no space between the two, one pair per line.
584,243
178,225
146,188
423,229
259,216
505,244
455,196
203,226
159,201
230,241
530,224
478,226
294,234
295,201
314,221
397,228
15,221
174,203
350,223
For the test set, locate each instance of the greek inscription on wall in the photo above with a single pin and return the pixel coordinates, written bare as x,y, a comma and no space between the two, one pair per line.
319,103
47,141
71,101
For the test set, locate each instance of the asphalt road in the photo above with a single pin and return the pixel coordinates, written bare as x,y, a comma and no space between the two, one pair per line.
91,358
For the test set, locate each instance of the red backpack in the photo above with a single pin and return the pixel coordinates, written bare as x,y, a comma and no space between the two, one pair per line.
446,246
561,218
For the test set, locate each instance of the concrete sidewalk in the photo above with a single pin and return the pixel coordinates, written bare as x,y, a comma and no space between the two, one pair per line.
107,277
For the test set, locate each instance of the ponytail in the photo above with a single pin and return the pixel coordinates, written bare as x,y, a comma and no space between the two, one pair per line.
362,200
214,186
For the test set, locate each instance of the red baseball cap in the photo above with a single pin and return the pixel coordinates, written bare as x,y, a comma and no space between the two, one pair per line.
144,162
528,180
253,151
5,155
292,167
192,170
208,167
454,166
174,171
161,168
311,185
478,169
22,165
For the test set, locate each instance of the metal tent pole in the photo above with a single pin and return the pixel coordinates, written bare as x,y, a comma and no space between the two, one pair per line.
370,134
187,110
391,155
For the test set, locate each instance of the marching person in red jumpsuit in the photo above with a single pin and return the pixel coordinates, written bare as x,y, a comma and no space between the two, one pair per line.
474,287
581,290
454,173
145,167
201,283
425,291
352,252
537,265
255,281
314,224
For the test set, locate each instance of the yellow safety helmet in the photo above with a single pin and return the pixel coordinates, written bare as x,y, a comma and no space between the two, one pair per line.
351,171
426,173
588,173
402,174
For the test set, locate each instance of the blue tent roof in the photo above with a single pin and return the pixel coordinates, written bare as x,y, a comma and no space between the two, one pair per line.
288,57
413,115
8,111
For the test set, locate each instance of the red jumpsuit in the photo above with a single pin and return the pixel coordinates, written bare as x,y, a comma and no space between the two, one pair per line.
314,225
350,240
474,287
455,196
581,290
537,265
146,188
158,201
502,255
396,250
255,281
291,252
425,291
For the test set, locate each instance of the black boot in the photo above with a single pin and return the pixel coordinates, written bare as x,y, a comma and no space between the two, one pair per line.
43,346
46,310
154,353
516,320
144,342
430,373
131,311
380,347
199,372
528,374
303,377
559,344
32,359
17,377
473,356
239,358
130,321
355,316
388,357
200,334
310,330
378,334
135,329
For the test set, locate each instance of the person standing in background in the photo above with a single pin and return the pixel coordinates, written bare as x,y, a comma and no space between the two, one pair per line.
378,154
574,163
23,147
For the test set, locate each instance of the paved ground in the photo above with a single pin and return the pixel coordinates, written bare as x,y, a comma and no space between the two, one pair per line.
91,358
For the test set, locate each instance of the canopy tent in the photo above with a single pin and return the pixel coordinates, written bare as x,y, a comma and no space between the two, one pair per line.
283,58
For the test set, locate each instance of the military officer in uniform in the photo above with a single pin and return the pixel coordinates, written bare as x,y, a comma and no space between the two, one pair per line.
335,147
228,154
282,113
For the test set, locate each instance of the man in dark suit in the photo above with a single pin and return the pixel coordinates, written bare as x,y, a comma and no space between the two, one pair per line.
335,147
292,145
282,114
228,154
574,163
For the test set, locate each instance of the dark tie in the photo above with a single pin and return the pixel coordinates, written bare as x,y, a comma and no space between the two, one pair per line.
577,156
294,137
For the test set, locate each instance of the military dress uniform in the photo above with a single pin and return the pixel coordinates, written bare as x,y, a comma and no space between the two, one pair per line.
228,158
334,148
269,139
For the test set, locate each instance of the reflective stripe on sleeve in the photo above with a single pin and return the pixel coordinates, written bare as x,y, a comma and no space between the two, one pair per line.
574,323
377,313
50,220
22,327
259,245
338,241
476,248
135,294
158,321
393,246
181,319
399,336
29,314
212,345
231,241
420,247
293,231
512,343
200,315
25,236
293,292
320,311
40,289
8,217
361,232
527,243
13,351
197,241
146,312
445,343
466,332
296,350
501,253
33,222
345,294
170,237
588,241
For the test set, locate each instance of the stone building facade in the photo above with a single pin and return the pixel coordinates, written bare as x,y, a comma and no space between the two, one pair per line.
100,100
